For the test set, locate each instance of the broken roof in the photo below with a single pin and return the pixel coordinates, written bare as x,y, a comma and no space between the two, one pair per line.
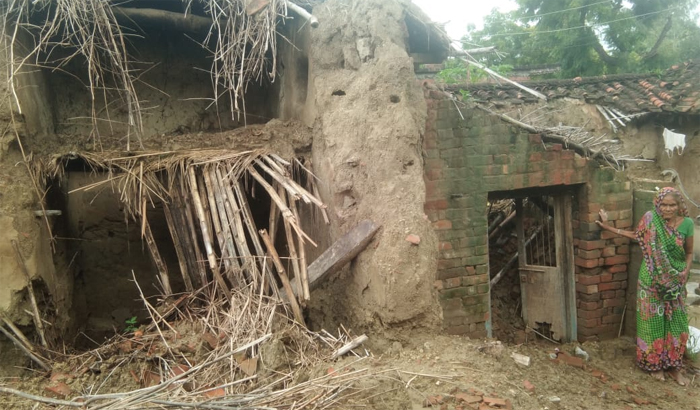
676,90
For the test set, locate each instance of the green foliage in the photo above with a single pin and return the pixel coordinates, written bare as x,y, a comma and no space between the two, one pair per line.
592,37
131,325
457,71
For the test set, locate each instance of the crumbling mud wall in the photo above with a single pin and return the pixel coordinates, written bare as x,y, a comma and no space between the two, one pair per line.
368,114
18,224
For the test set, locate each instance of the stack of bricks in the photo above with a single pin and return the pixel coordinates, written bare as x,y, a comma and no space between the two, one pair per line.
465,159
602,257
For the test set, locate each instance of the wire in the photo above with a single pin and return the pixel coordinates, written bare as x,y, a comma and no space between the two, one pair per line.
584,26
535,16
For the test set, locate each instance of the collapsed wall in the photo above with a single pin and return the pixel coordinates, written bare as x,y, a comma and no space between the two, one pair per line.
351,80
368,116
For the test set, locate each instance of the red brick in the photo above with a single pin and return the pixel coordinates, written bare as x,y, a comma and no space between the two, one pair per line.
594,254
570,360
528,386
448,263
620,294
609,286
617,268
616,260
613,302
590,305
586,288
494,402
588,280
445,246
470,270
438,285
556,147
590,245
623,250
589,323
59,389
606,277
439,204
621,241
535,138
586,263
609,251
452,283
608,294
442,224
588,297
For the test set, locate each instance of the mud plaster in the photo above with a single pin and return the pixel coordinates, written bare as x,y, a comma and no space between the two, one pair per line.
368,151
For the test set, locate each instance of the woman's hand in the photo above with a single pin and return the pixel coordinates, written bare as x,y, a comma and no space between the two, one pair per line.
603,217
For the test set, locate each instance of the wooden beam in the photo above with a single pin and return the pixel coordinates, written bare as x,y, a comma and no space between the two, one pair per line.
340,253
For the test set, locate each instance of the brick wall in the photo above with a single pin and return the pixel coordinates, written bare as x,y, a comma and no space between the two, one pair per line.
465,159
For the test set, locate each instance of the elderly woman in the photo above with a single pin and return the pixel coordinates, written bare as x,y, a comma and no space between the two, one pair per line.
666,238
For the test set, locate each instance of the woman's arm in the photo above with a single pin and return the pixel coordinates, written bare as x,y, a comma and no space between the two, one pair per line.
604,218
688,256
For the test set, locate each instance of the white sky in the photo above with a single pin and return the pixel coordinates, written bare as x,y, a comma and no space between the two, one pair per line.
459,13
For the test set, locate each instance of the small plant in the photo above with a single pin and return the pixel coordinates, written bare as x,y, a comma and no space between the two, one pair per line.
131,325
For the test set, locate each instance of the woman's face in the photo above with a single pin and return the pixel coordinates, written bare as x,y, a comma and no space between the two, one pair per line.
669,207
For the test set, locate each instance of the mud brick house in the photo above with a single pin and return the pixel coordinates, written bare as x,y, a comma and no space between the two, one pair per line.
334,99
475,154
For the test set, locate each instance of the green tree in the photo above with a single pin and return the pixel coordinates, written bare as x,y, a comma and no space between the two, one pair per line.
592,37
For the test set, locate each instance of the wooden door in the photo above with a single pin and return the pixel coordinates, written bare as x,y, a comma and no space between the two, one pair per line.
546,267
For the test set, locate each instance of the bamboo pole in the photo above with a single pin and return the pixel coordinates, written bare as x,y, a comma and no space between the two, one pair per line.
26,350
188,213
205,235
283,277
293,258
237,232
157,259
179,251
221,226
32,298
253,232
306,294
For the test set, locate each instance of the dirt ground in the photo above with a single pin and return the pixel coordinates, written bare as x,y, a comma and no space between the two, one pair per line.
427,370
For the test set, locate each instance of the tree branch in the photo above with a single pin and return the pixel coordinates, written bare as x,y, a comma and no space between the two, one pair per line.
607,58
655,50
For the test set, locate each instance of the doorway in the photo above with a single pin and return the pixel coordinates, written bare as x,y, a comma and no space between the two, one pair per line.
538,273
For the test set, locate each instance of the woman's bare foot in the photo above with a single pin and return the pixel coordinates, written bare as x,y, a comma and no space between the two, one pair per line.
658,375
676,375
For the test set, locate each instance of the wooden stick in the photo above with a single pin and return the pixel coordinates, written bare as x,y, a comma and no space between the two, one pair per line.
323,210
248,265
306,294
502,224
222,227
578,147
349,346
313,21
40,399
622,321
23,348
495,74
253,232
17,333
157,259
205,235
187,213
283,277
293,258
35,307
181,258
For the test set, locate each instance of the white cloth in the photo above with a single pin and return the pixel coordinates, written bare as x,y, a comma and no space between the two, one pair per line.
673,141
694,340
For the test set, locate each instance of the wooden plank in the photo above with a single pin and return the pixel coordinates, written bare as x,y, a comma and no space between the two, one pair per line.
283,277
157,259
340,253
